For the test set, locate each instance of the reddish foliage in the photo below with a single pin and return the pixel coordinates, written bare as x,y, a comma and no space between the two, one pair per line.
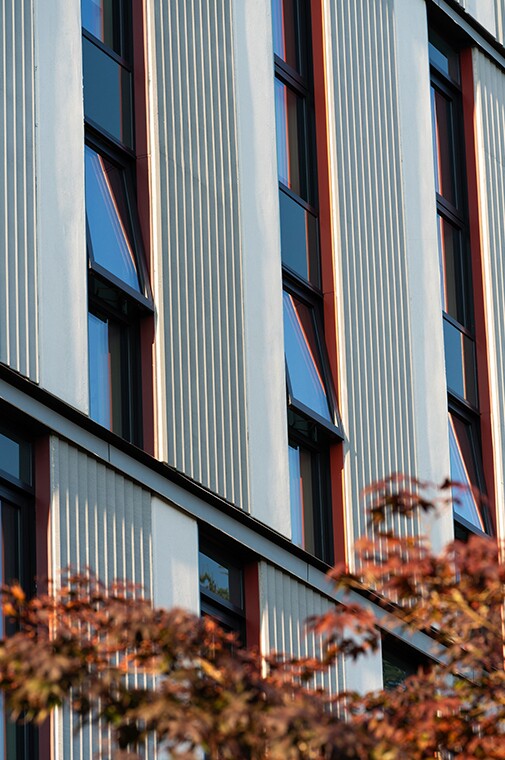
143,671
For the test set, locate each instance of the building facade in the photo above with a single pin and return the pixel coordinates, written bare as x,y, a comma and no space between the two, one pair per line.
253,261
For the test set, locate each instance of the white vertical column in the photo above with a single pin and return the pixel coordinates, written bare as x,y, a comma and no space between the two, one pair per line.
261,264
429,394
60,201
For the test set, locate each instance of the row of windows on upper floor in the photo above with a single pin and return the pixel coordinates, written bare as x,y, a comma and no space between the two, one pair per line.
119,288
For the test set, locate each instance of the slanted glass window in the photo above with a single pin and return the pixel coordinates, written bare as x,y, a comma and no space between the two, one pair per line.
222,588
306,375
466,470
117,296
110,236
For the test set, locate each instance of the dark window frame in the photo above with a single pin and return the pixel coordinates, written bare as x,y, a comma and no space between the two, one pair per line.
20,495
458,217
120,306
226,613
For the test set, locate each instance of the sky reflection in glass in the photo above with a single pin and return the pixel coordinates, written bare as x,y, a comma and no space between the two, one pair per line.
302,357
107,218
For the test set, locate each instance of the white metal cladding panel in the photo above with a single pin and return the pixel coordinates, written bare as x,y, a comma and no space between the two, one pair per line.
490,125
370,249
100,520
285,606
18,300
199,274
500,19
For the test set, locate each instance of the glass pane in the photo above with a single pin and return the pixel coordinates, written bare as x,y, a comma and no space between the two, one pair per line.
444,57
221,578
15,458
464,468
99,371
307,489
107,93
295,495
395,670
455,276
291,148
301,491
444,147
303,358
285,33
107,216
299,239
460,363
101,18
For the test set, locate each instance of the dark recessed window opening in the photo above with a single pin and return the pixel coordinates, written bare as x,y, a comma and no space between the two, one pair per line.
222,588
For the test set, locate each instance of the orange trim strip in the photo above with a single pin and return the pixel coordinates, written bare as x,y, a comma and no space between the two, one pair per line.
144,212
327,263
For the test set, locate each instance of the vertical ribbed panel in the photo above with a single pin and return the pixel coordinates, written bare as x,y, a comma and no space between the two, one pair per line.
199,274
100,520
285,605
18,301
490,127
370,249
500,20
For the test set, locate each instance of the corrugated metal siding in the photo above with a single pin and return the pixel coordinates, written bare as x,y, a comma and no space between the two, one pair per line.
285,606
490,126
199,272
370,249
18,299
100,520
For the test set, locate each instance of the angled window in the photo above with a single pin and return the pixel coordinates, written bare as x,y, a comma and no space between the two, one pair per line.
312,412
118,295
456,285
118,284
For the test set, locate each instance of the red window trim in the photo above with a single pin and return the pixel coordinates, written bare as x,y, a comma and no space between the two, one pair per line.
327,266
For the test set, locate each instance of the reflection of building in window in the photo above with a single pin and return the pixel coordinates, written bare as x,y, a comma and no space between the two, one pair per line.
399,661
456,284
222,589
17,549
118,284
313,417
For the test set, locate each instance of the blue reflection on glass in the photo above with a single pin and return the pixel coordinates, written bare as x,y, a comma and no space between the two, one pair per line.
106,213
107,93
463,472
295,495
299,239
302,357
281,118
92,17
99,371
460,363
9,456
